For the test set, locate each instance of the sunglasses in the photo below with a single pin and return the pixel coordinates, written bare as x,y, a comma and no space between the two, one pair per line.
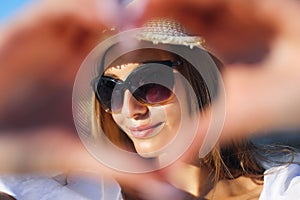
151,83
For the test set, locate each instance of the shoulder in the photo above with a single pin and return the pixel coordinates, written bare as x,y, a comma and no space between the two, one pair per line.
281,183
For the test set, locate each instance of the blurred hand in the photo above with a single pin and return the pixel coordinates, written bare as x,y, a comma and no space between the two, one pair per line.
259,44
41,50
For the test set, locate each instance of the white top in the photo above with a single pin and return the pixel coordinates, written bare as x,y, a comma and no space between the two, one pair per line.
75,186
280,183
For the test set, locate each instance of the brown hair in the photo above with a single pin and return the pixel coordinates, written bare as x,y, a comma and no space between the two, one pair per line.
232,160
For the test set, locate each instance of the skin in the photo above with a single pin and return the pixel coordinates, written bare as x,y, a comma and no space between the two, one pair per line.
158,125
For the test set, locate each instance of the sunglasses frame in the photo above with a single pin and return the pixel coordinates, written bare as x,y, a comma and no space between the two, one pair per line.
126,84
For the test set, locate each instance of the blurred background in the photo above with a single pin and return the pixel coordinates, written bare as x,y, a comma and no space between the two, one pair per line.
10,8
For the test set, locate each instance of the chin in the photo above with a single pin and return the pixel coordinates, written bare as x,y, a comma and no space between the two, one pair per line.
146,149
147,154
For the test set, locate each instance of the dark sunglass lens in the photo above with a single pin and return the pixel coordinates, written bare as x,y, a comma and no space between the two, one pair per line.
153,93
117,99
152,83
105,88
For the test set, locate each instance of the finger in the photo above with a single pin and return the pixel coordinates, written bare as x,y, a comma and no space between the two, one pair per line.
39,61
260,99
43,149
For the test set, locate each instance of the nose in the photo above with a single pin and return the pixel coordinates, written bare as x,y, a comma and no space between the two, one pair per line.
132,108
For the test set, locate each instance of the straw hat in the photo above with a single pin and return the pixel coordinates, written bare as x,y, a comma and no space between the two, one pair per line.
166,31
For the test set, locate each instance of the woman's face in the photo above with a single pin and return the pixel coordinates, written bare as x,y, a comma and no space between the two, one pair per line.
150,127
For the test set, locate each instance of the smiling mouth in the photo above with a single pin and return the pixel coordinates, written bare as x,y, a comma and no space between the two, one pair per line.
144,132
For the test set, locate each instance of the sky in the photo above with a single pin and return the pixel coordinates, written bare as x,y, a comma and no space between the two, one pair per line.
10,7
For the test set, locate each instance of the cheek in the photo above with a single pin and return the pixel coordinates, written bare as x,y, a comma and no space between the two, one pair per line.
173,116
178,111
118,118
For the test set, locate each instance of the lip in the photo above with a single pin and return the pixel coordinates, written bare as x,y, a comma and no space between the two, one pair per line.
146,131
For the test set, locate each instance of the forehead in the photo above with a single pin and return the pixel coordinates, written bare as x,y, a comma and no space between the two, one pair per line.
142,55
126,63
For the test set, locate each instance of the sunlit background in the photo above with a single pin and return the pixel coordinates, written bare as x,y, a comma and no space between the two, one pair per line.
10,8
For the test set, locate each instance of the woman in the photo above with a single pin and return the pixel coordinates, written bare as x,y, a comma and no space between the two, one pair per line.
141,102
